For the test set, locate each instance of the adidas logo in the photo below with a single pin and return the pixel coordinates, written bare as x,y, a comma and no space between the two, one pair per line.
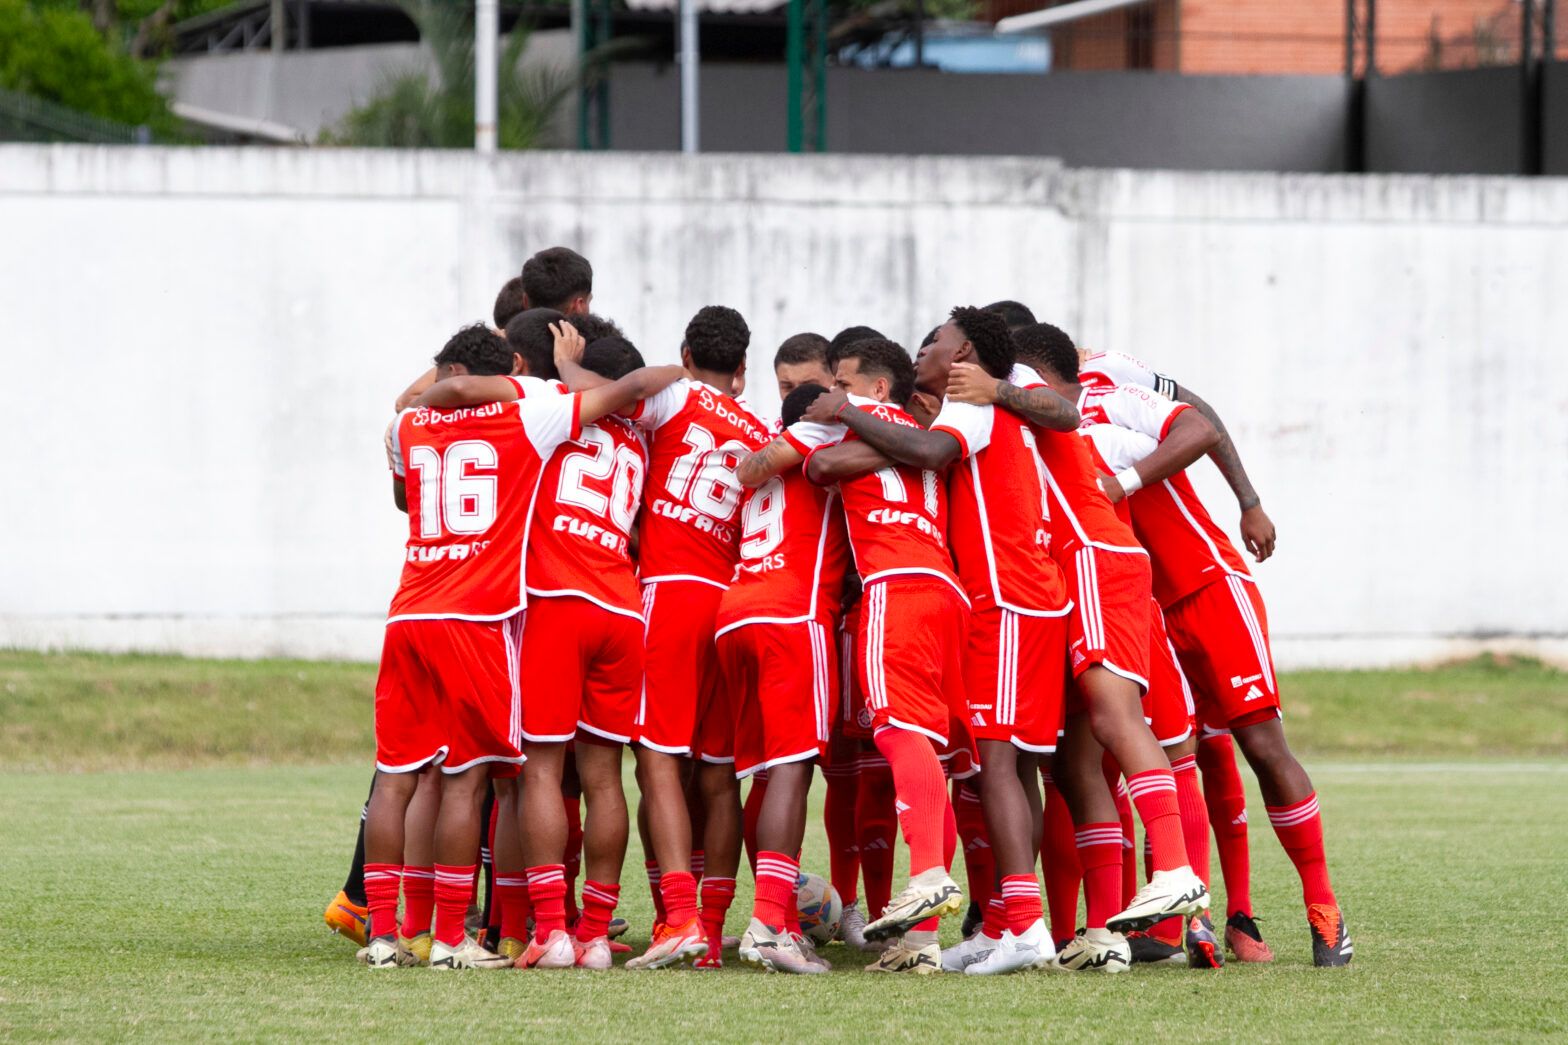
1240,821
977,844
900,806
875,844
977,719
1253,693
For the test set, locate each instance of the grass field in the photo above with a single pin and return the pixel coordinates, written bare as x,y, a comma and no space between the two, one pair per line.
183,903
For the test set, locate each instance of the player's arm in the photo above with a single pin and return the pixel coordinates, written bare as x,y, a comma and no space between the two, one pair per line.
761,465
1257,529
850,460
399,493
415,390
625,392
468,390
912,446
1188,438
568,351
1041,406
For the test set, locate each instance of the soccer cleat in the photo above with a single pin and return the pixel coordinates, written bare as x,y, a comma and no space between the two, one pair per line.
1202,946
852,927
930,894
595,954
1245,940
1094,950
672,944
347,918
905,955
714,959
385,952
617,947
974,917
557,952
1167,893
962,955
466,955
418,945
808,948
1150,950
1032,950
776,951
1330,939
618,927
511,947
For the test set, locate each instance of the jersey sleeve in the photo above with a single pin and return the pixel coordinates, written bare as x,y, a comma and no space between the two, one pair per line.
1118,448
657,410
1140,410
1025,377
537,386
968,423
808,436
1118,368
550,420
394,445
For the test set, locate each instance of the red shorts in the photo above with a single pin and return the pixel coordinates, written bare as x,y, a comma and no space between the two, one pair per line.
781,679
685,709
854,717
1014,675
1221,636
1167,703
910,652
447,693
584,669
1110,618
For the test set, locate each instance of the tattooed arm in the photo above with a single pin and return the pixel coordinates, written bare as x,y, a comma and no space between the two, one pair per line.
969,383
761,465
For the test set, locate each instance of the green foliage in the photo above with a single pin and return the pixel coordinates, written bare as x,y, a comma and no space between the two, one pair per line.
56,54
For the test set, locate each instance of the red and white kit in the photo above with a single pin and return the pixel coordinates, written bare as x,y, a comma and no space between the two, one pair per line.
1018,600
1105,569
584,619
913,614
1106,370
447,691
777,623
689,544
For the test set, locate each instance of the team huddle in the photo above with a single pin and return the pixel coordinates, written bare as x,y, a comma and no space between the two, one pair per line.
946,580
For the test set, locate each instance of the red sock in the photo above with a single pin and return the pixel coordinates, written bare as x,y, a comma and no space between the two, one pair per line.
599,900
419,898
1113,778
382,882
1226,800
652,868
949,833
679,889
838,817
994,916
699,863
1059,861
751,812
979,860
775,899
717,895
574,854
877,827
1100,854
1154,793
922,798
1300,831
1021,895
511,893
1194,815
454,888
547,893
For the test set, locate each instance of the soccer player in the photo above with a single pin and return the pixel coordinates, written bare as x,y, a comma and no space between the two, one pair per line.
447,693
914,620
1017,638
802,359
689,544
774,629
1219,629
1013,313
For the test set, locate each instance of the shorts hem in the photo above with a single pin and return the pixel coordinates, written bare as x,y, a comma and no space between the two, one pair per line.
413,767
471,763
782,760
717,760
604,733
1175,740
893,723
548,738
679,752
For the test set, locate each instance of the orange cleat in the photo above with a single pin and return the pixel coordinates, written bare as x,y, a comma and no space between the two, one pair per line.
672,944
346,918
1245,940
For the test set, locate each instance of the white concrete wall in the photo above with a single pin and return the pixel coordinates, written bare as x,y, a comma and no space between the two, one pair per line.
204,345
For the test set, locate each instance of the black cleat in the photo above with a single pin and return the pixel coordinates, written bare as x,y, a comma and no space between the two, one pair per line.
1245,939
972,919
1330,940
1148,950
1202,946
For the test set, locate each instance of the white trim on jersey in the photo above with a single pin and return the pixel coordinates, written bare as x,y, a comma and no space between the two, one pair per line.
539,593
1214,551
409,767
488,618
683,577
454,770
1260,646
1078,531
916,571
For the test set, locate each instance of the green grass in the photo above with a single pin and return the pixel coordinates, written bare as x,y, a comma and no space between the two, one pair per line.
92,711
184,905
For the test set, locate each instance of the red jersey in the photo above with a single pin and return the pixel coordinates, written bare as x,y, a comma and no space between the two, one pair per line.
896,516
583,517
471,475
793,554
1129,407
690,524
1109,369
997,512
1187,549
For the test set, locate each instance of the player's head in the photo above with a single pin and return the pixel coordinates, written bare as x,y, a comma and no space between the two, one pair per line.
1050,352
592,327
613,357
475,350
716,341
848,336
1013,313
876,368
509,302
799,398
529,335
558,278
801,358
972,335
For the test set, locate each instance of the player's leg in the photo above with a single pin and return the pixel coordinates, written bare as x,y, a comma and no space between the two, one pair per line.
419,873
751,811
1225,796
604,847
1059,862
511,870
718,790
384,823
838,820
544,849
876,824
979,860
347,912
571,799
1077,770
457,834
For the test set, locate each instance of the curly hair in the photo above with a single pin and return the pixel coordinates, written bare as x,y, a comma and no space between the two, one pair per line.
613,357
592,327
1045,347
529,334
879,357
555,275
717,338
988,332
481,351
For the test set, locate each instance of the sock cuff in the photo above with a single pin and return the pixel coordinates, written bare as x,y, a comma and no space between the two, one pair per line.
1185,764
448,874
421,872
601,892
1291,815
1151,782
773,865
1090,835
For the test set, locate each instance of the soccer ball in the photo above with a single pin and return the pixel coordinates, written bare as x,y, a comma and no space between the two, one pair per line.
819,907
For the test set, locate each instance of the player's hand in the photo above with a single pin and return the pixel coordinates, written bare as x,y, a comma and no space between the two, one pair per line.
1257,532
968,383
569,344
824,409
1113,489
924,407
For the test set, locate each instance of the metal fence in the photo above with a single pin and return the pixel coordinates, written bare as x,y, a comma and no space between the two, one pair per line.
29,119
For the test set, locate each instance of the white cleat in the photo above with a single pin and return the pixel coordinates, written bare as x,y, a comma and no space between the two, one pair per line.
776,951
1094,950
466,955
1032,950
1176,893
929,894
808,948
852,927
915,952
559,951
960,956
385,952
595,954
